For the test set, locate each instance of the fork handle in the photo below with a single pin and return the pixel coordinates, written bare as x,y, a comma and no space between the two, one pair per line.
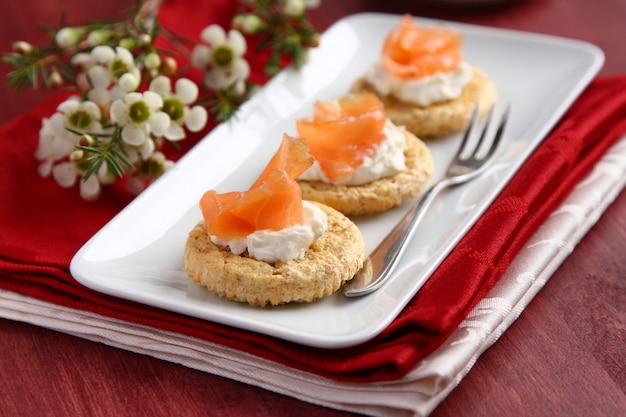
385,257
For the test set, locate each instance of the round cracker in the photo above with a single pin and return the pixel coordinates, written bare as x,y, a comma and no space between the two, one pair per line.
333,259
381,194
439,119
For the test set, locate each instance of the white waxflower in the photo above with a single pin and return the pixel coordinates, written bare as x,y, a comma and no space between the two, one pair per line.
55,141
140,116
67,173
222,58
51,147
150,168
83,116
176,105
111,73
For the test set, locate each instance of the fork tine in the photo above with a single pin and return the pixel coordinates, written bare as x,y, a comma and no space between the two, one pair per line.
468,132
499,132
483,134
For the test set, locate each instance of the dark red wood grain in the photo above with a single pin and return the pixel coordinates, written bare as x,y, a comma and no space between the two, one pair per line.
565,355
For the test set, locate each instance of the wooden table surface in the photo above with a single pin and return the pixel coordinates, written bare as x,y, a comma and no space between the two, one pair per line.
565,355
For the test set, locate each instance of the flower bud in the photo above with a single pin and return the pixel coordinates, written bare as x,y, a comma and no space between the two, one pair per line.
293,8
21,47
248,23
98,37
145,38
127,43
69,36
152,60
154,166
55,79
86,140
128,82
168,66
76,155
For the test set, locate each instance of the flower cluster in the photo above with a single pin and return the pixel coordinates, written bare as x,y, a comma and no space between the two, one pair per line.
128,98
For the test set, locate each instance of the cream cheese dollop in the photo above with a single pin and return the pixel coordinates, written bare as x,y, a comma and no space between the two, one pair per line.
423,91
281,245
388,160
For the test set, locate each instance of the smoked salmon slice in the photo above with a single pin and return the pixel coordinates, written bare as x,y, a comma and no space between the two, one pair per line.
273,202
342,133
412,52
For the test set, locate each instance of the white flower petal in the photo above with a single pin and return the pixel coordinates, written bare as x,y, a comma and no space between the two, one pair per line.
200,56
240,87
103,54
161,85
134,135
159,123
105,176
216,79
60,148
101,96
237,42
83,81
125,55
147,148
56,124
241,69
93,109
196,118
82,59
64,174
69,105
213,35
116,93
175,132
186,90
43,148
153,100
90,189
132,97
133,156
45,168
99,77
119,112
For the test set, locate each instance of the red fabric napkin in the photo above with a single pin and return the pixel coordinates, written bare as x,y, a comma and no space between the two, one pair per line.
43,225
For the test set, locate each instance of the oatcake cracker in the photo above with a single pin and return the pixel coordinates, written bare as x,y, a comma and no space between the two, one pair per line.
439,119
381,194
333,259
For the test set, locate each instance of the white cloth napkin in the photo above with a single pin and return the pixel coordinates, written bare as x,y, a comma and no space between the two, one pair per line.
420,391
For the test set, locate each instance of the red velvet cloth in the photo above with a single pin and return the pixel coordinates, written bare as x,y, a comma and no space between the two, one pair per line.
43,225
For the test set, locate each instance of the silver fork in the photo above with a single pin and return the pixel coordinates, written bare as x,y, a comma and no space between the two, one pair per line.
382,261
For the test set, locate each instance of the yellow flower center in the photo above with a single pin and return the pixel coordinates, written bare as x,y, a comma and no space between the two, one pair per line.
223,56
80,119
139,112
174,108
119,68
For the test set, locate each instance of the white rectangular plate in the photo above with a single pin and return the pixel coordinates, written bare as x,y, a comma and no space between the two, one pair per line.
137,255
